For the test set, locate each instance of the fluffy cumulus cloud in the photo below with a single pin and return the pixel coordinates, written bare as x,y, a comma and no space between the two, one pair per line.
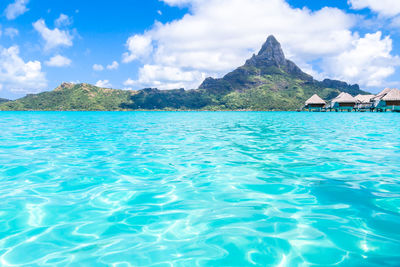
212,39
165,77
139,46
383,7
369,60
53,38
19,76
15,9
11,32
58,61
62,21
103,83
97,67
113,66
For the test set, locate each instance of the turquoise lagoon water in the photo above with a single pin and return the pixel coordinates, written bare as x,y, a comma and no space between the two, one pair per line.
199,189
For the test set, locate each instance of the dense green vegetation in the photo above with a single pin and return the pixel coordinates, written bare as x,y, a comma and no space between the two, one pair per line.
266,81
274,90
3,100
72,97
249,92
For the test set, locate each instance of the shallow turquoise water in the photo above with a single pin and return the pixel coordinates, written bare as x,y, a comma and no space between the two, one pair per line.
199,189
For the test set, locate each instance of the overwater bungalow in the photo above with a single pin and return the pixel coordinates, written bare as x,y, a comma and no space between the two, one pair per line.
377,104
392,100
315,103
344,101
379,101
383,93
364,102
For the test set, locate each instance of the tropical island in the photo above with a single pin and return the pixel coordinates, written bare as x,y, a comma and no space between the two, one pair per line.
267,81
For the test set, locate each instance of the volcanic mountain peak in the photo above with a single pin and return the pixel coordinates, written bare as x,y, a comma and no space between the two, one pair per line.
272,50
269,69
271,55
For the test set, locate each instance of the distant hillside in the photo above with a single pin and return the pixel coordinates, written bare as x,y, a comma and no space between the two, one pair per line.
3,100
267,81
72,97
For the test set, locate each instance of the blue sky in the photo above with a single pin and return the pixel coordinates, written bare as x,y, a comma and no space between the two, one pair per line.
177,43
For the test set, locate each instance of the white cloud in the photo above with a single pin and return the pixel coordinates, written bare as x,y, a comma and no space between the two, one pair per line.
19,76
130,82
139,46
98,67
383,7
62,21
369,60
58,61
164,77
53,38
181,2
213,39
113,66
16,9
11,32
103,84
395,22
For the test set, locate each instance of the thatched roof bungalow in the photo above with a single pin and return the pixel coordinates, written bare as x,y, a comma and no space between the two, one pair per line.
387,99
343,101
382,94
315,103
392,100
364,102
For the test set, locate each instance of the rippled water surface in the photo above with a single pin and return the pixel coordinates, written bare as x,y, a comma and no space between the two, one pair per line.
199,189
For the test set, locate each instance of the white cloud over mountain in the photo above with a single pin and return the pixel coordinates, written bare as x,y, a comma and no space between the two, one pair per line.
58,61
166,77
19,76
218,35
53,38
103,83
15,9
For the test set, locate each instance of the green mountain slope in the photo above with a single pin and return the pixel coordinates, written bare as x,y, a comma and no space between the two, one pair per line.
72,97
267,81
3,100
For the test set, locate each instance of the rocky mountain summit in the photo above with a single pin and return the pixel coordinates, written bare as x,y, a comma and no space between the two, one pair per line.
270,61
271,54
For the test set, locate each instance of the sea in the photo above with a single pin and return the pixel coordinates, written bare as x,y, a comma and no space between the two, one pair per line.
199,189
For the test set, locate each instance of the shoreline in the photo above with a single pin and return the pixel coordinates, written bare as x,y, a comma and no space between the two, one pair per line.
152,110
